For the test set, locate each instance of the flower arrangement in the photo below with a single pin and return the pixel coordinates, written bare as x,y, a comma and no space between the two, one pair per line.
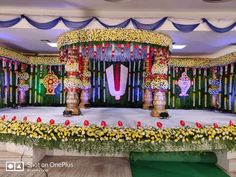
214,86
159,69
115,139
23,76
159,84
86,74
72,83
86,84
71,66
115,34
147,80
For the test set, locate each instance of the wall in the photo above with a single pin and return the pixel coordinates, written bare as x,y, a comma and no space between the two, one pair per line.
198,98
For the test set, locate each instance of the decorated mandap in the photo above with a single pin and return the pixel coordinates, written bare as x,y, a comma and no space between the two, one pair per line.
120,70
118,57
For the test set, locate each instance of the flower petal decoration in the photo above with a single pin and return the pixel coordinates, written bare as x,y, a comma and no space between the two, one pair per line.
159,125
39,119
120,123
182,123
67,122
52,121
86,123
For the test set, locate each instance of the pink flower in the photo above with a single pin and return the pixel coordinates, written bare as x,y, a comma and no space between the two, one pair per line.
139,124
67,122
86,123
182,123
52,121
198,125
103,123
39,119
159,125
13,118
120,123
231,123
216,125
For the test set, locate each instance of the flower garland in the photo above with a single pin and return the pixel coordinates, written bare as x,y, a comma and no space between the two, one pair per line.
115,139
115,34
72,83
159,71
147,80
214,86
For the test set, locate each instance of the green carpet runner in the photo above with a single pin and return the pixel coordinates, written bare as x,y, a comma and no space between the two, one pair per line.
175,164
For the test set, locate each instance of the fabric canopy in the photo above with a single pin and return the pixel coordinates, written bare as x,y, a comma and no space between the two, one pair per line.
137,24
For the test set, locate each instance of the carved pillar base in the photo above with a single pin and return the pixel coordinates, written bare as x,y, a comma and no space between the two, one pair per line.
159,103
214,101
147,99
72,103
84,97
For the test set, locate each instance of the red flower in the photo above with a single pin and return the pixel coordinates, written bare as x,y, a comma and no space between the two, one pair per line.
139,124
39,120
231,123
3,117
103,123
86,123
13,118
159,125
198,125
52,121
120,123
25,119
67,122
182,123
216,125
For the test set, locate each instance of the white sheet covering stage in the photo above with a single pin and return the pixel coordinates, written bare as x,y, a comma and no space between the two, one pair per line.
129,116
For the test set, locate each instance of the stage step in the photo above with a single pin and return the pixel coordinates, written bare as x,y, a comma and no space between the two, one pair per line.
232,165
13,157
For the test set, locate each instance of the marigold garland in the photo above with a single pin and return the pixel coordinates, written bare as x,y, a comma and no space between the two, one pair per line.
100,138
115,34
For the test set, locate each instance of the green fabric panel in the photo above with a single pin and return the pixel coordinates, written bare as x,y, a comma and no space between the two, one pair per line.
175,169
204,157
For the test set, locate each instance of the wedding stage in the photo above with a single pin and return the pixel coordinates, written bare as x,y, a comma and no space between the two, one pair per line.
128,116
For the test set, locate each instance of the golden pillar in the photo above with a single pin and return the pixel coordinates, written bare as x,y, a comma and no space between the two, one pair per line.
147,87
72,84
159,103
86,85
160,84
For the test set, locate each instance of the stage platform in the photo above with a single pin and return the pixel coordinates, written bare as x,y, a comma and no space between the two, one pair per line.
129,116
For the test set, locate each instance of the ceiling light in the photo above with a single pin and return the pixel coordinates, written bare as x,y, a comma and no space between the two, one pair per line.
178,47
52,44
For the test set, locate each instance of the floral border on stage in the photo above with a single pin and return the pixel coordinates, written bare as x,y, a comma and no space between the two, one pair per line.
113,35
104,139
4,52
44,60
195,62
